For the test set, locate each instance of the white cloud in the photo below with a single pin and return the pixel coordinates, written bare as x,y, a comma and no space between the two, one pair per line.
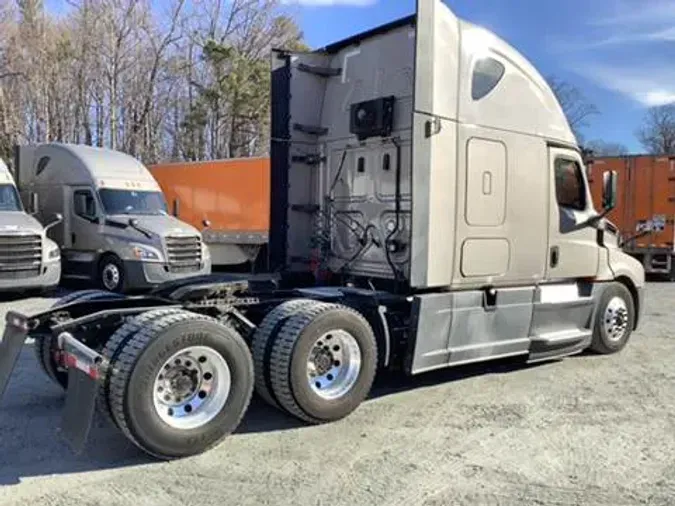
631,13
666,35
628,36
647,86
328,3
623,22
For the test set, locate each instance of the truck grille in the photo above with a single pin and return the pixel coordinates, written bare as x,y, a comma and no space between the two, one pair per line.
184,253
20,256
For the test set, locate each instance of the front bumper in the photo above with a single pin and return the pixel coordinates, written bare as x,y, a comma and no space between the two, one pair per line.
49,277
142,275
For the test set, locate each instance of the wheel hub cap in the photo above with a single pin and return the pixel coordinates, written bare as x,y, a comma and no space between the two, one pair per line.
192,387
111,276
334,364
615,319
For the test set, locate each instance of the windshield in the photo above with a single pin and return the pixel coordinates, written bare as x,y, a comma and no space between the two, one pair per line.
9,198
132,202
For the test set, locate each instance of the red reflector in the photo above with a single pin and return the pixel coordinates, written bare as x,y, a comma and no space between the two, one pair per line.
72,361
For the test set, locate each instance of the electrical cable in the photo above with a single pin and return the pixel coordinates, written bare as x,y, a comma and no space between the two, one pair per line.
398,213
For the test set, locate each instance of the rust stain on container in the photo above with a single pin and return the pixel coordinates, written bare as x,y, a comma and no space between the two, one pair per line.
646,197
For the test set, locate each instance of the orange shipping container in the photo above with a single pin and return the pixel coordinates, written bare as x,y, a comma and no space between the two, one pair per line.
232,194
645,210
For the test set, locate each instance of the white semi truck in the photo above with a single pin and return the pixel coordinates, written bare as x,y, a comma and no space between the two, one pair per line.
429,208
29,260
116,229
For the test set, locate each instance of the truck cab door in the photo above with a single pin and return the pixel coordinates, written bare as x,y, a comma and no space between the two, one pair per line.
82,237
573,251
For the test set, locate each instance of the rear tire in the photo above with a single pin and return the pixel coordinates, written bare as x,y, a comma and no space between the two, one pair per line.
217,394
323,362
45,346
262,341
614,320
114,346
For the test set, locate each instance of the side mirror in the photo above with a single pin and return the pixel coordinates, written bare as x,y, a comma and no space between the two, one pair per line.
34,203
176,207
206,223
58,218
609,190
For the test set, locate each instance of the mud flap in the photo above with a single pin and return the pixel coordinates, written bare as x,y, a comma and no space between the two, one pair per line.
78,413
16,331
85,370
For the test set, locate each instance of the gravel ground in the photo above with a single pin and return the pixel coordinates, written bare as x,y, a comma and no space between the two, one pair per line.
584,430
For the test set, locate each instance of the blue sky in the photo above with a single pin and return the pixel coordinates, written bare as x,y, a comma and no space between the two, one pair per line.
620,53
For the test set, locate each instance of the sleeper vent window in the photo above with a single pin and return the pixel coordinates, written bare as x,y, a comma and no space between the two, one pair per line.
42,165
486,75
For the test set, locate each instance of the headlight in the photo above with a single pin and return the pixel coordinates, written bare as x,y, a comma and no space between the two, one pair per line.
145,252
54,253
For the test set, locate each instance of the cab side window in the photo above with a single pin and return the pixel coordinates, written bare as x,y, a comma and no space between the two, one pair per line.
569,184
84,204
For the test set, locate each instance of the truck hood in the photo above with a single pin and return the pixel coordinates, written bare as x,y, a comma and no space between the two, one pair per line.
14,222
159,225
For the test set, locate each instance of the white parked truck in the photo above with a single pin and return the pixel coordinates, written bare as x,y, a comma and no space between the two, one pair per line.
116,229
29,260
429,208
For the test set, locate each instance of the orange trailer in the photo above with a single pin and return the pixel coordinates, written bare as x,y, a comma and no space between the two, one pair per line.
645,210
232,196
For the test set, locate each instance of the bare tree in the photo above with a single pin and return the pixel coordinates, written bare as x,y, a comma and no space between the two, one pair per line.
576,107
181,79
657,133
602,148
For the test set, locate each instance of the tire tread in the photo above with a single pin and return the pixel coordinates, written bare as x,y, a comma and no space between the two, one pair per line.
598,344
262,338
114,347
282,355
131,350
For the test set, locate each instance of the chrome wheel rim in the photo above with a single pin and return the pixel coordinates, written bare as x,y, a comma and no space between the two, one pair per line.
111,276
334,364
192,387
615,319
